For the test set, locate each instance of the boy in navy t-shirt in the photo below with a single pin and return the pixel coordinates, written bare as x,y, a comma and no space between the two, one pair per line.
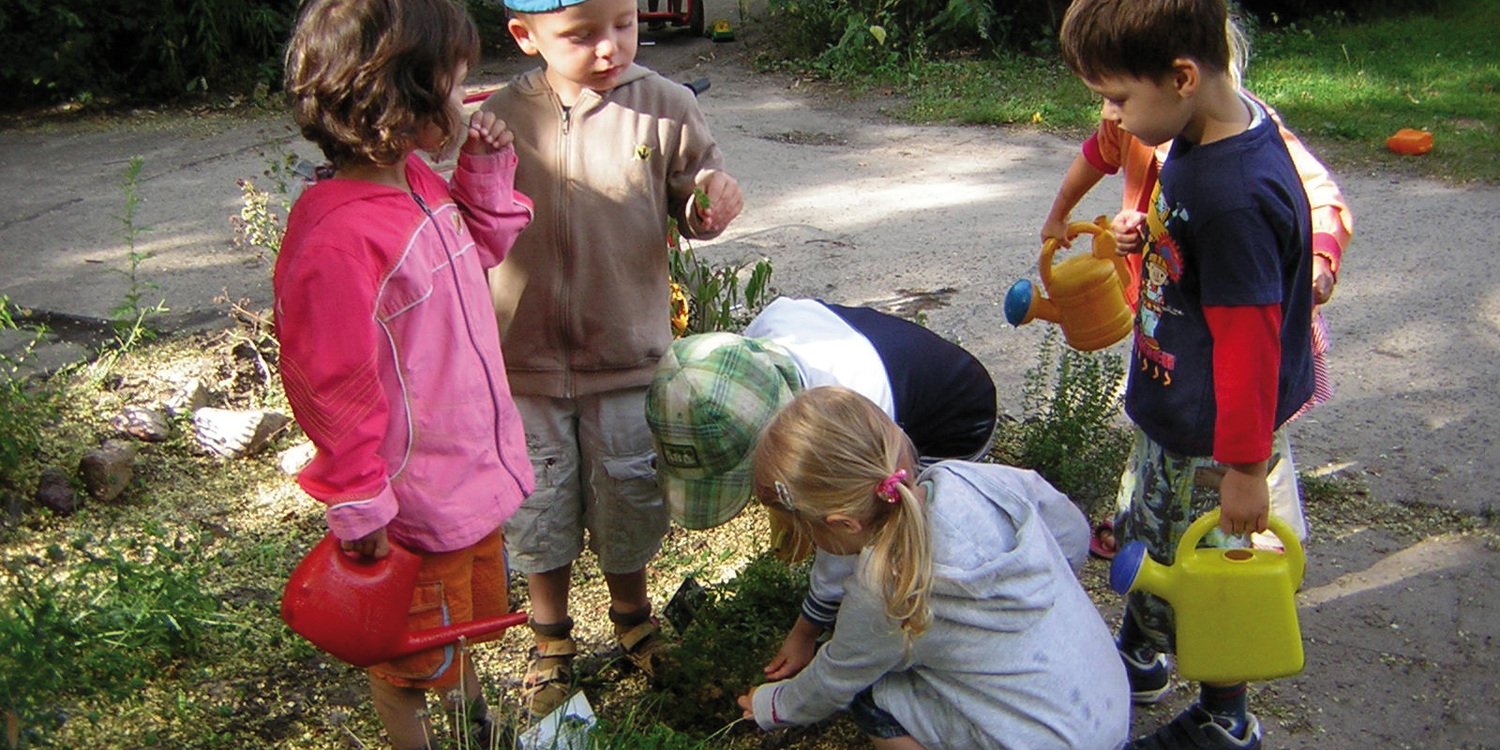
1222,353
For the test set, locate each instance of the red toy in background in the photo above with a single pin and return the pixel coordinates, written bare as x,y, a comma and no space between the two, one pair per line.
1410,141
355,608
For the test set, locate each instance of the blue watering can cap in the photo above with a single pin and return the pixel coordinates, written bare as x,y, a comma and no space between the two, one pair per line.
1018,302
539,6
1125,567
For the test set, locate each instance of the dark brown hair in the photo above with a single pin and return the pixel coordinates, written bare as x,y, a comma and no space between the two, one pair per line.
362,76
1142,38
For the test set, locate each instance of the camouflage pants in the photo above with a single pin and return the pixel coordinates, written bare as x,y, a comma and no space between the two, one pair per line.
1161,494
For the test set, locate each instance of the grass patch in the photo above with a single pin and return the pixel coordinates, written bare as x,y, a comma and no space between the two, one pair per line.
1351,85
1345,86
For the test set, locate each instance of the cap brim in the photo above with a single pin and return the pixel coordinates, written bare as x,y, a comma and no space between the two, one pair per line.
707,502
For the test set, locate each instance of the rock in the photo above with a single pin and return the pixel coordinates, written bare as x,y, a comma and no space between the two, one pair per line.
235,434
142,423
55,490
106,470
190,397
295,458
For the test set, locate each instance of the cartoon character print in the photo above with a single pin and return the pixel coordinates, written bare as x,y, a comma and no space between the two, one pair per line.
1160,266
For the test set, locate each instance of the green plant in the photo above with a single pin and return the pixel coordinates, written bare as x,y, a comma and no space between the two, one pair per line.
96,617
260,224
24,406
712,299
737,627
1068,434
129,316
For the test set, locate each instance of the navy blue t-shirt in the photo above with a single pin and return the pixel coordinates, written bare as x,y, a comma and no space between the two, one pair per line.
1228,226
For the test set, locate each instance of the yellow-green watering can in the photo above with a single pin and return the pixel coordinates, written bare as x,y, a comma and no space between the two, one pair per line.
1087,291
1236,609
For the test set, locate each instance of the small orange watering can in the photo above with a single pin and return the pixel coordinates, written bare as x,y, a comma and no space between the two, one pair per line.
1087,291
355,607
1236,609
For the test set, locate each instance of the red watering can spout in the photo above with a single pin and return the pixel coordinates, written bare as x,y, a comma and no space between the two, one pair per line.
355,607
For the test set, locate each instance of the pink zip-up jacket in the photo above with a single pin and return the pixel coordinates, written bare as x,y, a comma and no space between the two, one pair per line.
390,356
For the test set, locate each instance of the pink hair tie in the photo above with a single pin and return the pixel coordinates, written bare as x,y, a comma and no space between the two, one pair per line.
888,487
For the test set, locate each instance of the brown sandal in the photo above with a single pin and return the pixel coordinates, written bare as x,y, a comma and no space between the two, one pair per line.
643,646
549,677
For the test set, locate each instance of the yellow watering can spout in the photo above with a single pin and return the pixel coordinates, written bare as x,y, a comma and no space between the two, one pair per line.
1235,609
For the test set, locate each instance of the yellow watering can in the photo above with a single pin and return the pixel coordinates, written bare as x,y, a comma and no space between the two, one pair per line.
1087,291
1236,610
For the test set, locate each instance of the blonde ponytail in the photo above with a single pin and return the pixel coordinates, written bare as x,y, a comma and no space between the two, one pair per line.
832,451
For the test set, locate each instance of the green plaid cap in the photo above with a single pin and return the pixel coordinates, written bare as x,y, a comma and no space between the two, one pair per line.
710,397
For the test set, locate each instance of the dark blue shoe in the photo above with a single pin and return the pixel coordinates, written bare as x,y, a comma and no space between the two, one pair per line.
1149,680
1196,729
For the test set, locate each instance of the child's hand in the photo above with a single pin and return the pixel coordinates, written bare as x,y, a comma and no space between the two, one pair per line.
487,134
724,203
1129,228
374,544
1323,279
1244,499
747,705
796,652
1056,229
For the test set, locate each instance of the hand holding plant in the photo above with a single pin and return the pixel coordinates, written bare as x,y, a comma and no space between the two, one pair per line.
716,202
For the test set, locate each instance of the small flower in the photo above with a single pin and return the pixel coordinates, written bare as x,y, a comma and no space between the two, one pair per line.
643,152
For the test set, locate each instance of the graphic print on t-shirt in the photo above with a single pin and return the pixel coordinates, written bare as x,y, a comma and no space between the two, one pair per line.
1161,266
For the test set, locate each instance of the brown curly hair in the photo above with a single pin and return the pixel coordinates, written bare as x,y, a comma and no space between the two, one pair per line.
363,76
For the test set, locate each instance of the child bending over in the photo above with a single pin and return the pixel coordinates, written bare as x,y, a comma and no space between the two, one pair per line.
964,625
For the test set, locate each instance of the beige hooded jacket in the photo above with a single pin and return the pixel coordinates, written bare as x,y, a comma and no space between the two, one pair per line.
582,299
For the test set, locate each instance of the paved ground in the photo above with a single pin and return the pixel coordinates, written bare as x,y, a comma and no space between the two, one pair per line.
1402,640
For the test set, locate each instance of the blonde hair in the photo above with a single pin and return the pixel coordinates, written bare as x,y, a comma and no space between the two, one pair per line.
1239,50
832,451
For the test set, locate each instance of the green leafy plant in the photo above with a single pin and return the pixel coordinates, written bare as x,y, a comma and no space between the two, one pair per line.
129,315
737,627
705,298
1069,432
96,617
24,405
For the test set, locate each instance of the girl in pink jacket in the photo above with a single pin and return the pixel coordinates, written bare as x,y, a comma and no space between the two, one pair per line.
389,352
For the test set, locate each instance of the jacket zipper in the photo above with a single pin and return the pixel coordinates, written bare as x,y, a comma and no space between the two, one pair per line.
564,187
469,329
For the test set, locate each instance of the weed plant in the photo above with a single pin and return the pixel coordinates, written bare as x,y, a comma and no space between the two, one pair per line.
735,631
129,316
1069,432
25,405
96,618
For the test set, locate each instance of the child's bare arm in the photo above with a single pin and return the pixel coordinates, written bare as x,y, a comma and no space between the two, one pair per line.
1080,179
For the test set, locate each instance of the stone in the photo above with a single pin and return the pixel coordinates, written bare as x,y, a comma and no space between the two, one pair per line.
188,398
297,457
108,469
55,490
142,423
235,434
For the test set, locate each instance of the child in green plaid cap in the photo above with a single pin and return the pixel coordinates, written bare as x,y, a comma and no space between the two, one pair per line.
714,393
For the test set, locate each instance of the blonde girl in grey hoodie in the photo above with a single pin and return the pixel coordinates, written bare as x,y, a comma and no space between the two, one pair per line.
964,625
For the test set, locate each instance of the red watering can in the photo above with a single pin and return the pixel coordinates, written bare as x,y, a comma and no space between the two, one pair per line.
355,607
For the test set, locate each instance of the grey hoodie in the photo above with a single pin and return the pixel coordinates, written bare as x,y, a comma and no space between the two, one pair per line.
1017,655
